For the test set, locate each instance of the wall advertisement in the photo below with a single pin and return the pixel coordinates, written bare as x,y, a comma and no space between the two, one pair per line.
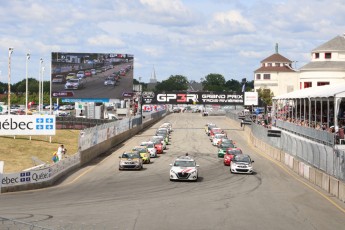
197,98
27,125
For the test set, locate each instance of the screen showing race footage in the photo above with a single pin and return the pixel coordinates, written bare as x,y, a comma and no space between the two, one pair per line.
91,75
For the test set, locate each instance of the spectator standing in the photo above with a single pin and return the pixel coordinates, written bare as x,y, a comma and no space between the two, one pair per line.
61,152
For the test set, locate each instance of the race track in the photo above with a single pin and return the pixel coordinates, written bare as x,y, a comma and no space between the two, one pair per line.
99,196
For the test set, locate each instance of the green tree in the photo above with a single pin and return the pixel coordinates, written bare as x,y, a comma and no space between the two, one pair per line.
214,82
265,95
173,83
233,86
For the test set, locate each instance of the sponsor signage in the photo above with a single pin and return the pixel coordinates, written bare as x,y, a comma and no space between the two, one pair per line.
63,94
27,125
274,133
28,177
85,100
128,94
193,98
251,98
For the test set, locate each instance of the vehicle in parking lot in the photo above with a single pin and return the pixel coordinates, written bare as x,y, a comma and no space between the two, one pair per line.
223,148
75,84
184,168
241,163
130,160
110,81
229,155
144,154
150,148
58,79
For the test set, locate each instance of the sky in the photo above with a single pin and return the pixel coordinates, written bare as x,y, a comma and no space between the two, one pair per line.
192,38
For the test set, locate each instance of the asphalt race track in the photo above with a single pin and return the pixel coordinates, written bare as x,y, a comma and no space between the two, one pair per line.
99,196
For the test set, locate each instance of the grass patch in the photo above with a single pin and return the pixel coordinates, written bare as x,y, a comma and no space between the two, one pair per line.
17,153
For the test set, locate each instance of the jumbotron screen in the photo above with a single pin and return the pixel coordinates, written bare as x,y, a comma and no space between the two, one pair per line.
91,75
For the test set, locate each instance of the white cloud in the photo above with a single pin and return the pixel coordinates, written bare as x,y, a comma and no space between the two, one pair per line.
234,20
105,40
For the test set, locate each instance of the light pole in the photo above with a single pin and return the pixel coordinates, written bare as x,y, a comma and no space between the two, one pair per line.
42,90
27,87
10,51
39,85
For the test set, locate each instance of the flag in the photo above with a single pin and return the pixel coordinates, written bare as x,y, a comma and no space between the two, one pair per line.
243,87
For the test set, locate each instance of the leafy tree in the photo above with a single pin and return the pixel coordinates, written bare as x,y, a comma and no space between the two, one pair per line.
214,82
265,95
173,83
233,86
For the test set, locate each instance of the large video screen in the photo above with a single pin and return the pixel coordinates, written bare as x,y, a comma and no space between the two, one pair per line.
91,75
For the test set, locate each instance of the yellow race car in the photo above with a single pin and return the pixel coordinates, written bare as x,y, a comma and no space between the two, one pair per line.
144,153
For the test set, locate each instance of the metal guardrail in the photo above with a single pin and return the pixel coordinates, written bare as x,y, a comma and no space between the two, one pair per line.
320,136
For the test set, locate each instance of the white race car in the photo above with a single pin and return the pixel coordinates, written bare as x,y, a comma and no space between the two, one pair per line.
217,137
184,168
241,163
150,147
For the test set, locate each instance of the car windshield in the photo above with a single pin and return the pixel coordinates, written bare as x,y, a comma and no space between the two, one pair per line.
234,152
150,145
184,163
227,145
140,150
130,155
73,81
242,158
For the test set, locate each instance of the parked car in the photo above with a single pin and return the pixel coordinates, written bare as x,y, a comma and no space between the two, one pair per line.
184,168
241,163
75,84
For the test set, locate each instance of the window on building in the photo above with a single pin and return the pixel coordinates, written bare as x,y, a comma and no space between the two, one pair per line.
328,55
307,84
267,76
269,64
277,64
321,83
317,55
258,76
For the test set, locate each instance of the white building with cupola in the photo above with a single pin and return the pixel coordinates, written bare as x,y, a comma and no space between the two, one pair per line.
327,65
277,74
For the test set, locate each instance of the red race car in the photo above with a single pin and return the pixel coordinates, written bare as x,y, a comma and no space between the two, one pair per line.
230,153
158,145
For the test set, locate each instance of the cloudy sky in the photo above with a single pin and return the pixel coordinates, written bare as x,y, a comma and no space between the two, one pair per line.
177,37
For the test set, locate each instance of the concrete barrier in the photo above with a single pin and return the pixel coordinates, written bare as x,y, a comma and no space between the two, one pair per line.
312,175
295,165
334,186
325,182
306,173
301,169
342,191
318,178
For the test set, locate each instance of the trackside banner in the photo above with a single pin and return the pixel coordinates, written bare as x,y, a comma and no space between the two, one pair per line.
193,98
27,125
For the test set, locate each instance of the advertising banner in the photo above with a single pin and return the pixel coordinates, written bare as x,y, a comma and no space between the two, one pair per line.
27,125
196,98
251,98
28,177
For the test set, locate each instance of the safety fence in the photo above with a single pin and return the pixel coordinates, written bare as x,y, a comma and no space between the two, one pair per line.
78,123
327,158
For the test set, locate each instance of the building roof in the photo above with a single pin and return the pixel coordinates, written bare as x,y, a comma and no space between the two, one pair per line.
326,91
276,58
268,69
324,65
335,44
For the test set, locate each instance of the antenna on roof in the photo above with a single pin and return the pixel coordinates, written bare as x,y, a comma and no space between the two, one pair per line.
276,48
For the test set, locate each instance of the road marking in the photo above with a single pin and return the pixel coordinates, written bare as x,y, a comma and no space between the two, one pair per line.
288,171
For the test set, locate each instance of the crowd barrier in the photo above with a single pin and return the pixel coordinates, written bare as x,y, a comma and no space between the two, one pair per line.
320,177
92,143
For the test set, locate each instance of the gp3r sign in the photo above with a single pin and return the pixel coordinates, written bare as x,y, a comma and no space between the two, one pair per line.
27,125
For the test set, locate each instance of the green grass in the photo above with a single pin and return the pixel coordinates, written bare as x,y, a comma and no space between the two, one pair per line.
17,153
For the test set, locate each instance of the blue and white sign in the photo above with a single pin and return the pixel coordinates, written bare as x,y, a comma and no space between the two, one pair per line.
27,125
